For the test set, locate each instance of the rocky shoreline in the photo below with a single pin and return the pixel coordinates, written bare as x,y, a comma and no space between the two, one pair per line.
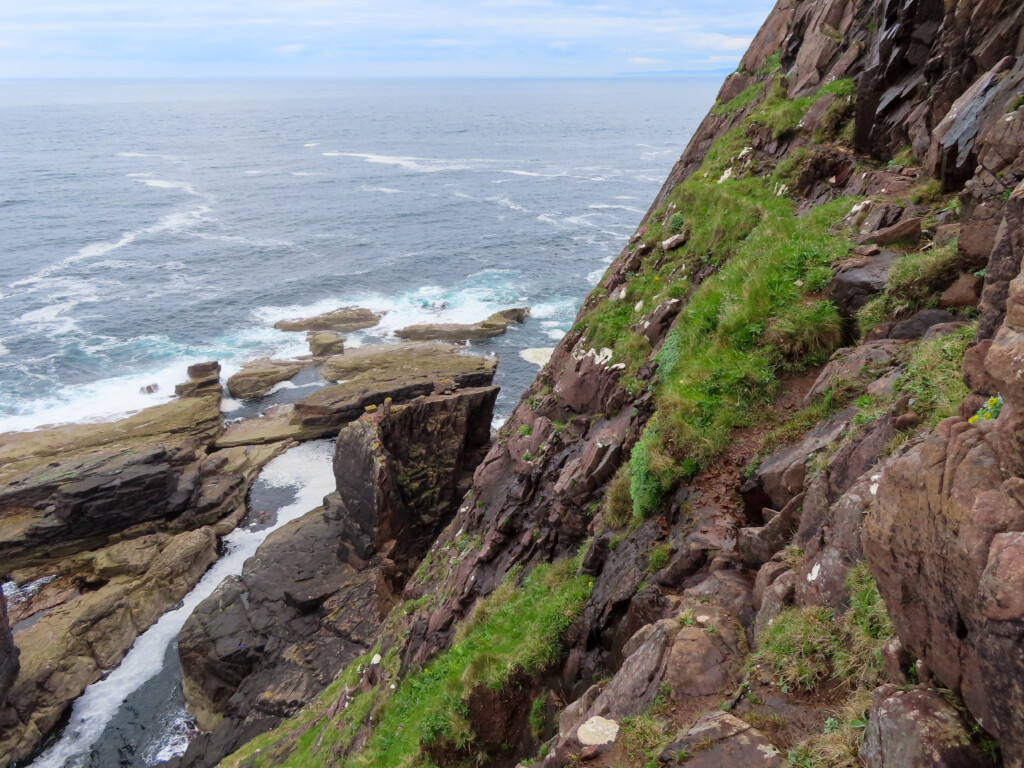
107,526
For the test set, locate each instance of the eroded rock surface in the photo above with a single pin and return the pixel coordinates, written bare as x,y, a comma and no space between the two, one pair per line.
495,325
313,596
343,320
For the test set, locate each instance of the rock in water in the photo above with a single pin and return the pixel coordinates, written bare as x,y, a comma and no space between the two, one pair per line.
495,325
342,320
325,343
258,377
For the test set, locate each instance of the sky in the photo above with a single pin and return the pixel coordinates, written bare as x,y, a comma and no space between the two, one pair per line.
350,38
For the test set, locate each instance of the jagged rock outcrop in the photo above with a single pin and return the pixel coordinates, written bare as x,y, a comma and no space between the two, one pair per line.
943,545
67,488
313,596
9,665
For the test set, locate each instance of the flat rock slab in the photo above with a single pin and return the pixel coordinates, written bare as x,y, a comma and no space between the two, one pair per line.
343,320
495,325
258,377
367,377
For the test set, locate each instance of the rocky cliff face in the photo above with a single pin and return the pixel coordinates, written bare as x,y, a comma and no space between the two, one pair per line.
728,495
314,595
105,527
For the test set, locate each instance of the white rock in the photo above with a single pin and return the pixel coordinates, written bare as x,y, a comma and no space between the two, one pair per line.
375,659
597,731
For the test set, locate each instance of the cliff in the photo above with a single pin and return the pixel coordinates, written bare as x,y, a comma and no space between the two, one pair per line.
758,412
762,506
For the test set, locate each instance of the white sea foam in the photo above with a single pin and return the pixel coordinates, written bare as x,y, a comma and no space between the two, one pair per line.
308,173
606,206
117,396
417,164
173,222
555,333
173,741
169,158
312,144
535,174
305,468
383,190
504,201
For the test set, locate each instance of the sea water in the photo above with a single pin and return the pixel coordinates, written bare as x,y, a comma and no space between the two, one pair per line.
151,225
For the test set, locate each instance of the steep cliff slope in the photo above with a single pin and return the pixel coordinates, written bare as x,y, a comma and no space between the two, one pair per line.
661,557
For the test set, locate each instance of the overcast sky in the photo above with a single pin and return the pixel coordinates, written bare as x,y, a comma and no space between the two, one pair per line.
353,38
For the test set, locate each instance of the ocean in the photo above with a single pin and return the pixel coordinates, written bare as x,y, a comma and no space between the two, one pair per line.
149,225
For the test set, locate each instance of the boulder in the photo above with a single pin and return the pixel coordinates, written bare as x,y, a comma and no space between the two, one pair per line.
495,325
919,728
705,658
323,343
913,327
203,379
676,241
852,364
343,320
860,280
258,377
906,231
964,292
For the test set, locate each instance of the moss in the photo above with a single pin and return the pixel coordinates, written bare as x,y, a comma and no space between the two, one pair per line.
658,557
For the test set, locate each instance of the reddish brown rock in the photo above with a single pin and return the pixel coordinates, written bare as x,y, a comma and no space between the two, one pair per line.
962,293
906,231
917,728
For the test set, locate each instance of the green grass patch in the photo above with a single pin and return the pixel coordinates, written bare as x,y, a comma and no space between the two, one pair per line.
744,323
779,113
805,646
514,628
933,375
741,101
914,282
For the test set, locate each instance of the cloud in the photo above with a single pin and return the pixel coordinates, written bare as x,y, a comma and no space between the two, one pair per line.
363,37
